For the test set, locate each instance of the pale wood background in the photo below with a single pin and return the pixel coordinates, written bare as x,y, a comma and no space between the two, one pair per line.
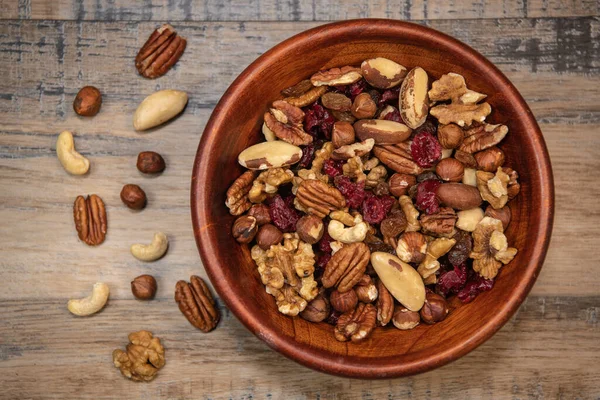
49,49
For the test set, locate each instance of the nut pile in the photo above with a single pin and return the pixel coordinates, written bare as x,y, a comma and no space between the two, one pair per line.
144,355
377,194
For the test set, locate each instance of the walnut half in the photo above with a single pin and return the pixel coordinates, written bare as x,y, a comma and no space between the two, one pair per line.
490,248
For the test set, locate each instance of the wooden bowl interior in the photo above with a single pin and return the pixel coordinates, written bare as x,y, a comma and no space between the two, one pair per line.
236,124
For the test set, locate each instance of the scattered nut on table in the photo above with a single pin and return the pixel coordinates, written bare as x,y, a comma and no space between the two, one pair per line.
143,357
161,51
158,108
150,162
88,101
197,304
133,197
153,251
91,304
89,214
73,162
144,287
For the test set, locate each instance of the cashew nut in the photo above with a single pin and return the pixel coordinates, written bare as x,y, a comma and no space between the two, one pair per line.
73,162
91,304
339,232
152,251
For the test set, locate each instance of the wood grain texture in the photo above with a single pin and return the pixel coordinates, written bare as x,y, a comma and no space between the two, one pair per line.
548,350
291,10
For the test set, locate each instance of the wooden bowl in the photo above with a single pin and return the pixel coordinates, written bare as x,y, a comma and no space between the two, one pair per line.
235,124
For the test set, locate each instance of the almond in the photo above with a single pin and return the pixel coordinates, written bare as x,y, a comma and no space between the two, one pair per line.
459,196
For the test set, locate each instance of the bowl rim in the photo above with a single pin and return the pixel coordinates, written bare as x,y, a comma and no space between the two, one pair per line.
350,366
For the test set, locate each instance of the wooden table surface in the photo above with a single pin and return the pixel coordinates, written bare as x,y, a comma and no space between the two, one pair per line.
50,49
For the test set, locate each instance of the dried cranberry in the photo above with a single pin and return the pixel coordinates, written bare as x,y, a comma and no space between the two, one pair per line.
426,199
356,88
322,261
452,281
318,121
333,317
428,126
425,149
325,243
333,168
389,95
473,287
308,154
283,214
461,250
375,208
353,192
393,116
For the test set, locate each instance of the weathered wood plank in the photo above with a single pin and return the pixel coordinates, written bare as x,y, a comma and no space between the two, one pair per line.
543,341
294,10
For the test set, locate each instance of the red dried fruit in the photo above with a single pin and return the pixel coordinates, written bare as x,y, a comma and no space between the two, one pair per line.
333,317
308,154
452,281
333,168
473,287
426,199
389,95
354,193
283,214
459,254
375,208
425,149
353,89
318,121
325,243
393,116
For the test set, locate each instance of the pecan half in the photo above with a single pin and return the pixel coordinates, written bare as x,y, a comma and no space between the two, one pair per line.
336,76
346,267
440,224
197,304
285,120
397,158
318,198
385,305
90,219
160,52
356,325
306,98
237,195
482,137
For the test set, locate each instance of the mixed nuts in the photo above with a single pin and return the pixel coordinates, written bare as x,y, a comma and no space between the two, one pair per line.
144,355
378,193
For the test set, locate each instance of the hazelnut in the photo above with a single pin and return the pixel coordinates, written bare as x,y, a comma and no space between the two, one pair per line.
310,229
342,134
144,287
88,101
435,308
133,197
450,136
365,289
490,159
261,213
400,183
411,247
404,319
466,158
268,235
244,229
450,170
503,214
150,162
317,310
343,302
363,106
